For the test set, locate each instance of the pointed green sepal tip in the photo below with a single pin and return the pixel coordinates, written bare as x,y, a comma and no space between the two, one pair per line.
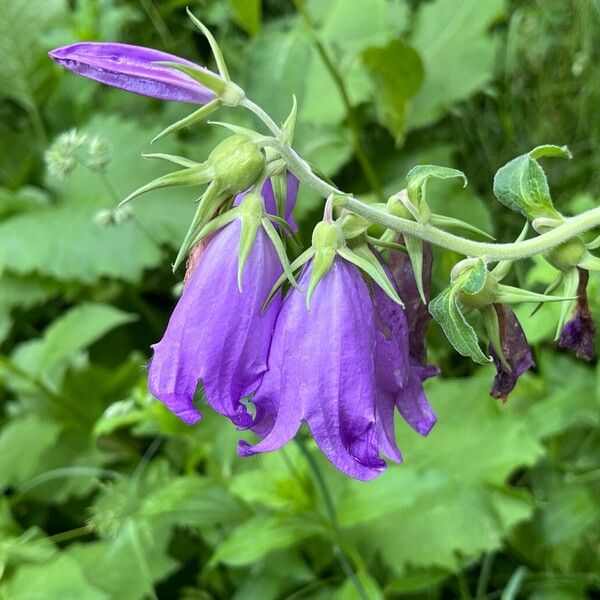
326,240
507,294
191,119
280,249
289,125
489,316
172,158
366,261
296,264
208,205
251,213
214,46
414,249
571,281
198,175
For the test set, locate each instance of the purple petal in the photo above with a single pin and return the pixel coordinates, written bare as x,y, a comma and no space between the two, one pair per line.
384,418
579,334
417,313
269,197
216,333
133,68
412,402
321,370
516,352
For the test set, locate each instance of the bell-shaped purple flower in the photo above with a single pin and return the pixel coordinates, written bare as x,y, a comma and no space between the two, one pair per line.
398,376
217,334
579,334
269,198
515,348
321,370
135,69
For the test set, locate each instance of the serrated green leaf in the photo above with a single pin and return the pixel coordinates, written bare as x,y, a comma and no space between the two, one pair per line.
397,74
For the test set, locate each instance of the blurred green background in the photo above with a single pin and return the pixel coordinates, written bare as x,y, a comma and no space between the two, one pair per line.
105,495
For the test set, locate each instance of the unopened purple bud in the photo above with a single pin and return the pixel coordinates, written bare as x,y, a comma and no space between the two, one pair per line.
516,353
579,334
135,69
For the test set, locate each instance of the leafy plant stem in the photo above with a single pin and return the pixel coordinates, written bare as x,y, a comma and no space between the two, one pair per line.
355,128
489,252
338,541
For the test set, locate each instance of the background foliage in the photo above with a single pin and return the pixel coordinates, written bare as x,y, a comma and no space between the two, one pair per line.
105,494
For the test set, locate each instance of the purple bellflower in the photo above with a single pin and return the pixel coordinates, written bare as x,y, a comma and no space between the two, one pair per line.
579,334
217,334
516,351
135,69
321,370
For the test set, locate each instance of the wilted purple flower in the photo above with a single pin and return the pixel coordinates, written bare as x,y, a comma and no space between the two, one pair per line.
321,371
516,352
269,198
417,313
579,334
216,333
134,68
398,375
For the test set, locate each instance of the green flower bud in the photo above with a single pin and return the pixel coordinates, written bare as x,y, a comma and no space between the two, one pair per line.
568,255
484,297
236,164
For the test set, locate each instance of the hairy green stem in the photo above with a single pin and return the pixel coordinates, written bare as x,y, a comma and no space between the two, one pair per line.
489,252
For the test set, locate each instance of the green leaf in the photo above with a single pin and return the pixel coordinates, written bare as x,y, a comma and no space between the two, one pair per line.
450,34
257,537
445,309
397,75
25,66
417,178
23,444
60,578
521,184
247,14
74,331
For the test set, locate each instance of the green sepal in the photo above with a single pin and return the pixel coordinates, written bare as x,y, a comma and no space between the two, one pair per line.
445,309
472,280
590,262
250,224
289,125
414,249
571,281
364,259
296,264
207,206
203,77
191,119
215,224
172,158
417,178
502,269
353,225
282,223
326,240
279,184
507,294
253,136
489,316
221,65
521,184
541,224
385,244
280,249
554,285
185,177
451,223
595,243
401,206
